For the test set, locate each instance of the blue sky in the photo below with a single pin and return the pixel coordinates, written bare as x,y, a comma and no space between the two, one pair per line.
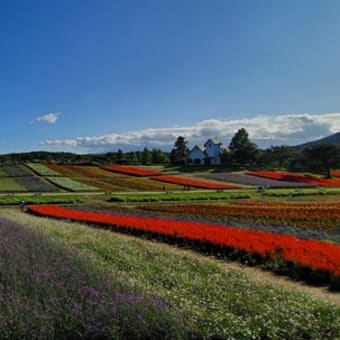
95,76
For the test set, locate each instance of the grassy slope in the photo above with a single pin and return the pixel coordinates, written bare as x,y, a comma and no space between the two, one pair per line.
215,299
8,184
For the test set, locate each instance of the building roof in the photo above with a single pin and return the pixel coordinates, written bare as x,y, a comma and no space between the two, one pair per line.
213,141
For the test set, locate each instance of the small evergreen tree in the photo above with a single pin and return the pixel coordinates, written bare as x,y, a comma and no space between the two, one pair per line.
180,154
242,150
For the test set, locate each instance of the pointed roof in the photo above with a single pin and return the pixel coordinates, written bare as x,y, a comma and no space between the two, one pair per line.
213,141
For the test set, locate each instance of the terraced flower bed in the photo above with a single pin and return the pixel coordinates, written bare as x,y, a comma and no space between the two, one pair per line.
244,179
8,184
321,260
42,169
16,170
313,216
129,170
286,176
194,183
71,185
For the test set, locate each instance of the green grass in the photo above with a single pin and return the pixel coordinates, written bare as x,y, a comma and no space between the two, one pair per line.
198,196
15,200
214,300
300,192
70,184
10,185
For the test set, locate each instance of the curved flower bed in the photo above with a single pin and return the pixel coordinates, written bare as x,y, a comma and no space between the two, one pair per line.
194,183
314,255
286,176
129,170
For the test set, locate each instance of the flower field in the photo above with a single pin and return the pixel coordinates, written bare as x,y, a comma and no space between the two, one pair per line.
8,184
314,255
194,183
129,170
49,291
70,184
42,169
306,215
244,179
286,176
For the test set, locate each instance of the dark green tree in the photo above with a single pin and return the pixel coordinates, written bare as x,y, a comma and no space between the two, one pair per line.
322,157
180,154
159,157
242,150
278,156
146,157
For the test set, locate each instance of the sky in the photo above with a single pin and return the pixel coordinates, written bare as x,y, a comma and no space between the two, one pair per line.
95,76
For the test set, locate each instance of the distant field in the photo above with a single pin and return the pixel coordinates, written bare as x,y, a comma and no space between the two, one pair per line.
8,184
241,178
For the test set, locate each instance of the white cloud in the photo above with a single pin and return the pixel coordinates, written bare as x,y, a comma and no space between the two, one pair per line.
50,118
289,129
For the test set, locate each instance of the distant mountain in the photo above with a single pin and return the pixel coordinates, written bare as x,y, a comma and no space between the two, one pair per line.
332,139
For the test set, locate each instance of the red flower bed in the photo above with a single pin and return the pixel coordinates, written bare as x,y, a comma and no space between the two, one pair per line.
129,170
286,176
195,183
311,254
335,173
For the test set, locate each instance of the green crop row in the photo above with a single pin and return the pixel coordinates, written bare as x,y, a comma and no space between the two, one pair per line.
300,192
15,200
8,184
71,185
42,170
177,197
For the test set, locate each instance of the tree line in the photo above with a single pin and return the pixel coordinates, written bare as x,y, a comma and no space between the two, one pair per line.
241,153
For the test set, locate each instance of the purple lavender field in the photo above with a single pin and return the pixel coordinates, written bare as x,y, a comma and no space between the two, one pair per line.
48,291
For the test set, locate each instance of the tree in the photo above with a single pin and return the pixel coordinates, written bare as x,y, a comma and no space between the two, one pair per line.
278,156
242,150
146,157
159,157
180,154
322,157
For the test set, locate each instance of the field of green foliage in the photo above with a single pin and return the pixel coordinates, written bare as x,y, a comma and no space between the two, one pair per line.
206,298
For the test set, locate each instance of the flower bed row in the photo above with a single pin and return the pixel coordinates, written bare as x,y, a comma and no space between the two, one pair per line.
307,216
42,169
314,255
286,176
129,170
194,183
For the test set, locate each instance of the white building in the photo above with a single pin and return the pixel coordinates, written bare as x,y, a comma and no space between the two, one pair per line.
207,154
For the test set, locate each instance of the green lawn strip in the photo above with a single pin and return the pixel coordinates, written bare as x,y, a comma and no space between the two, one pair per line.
70,184
15,200
42,170
300,192
8,184
177,197
214,300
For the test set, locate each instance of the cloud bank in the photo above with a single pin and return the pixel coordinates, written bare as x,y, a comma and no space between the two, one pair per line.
288,129
49,118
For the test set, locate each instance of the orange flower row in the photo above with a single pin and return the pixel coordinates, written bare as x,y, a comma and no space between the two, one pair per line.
307,253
